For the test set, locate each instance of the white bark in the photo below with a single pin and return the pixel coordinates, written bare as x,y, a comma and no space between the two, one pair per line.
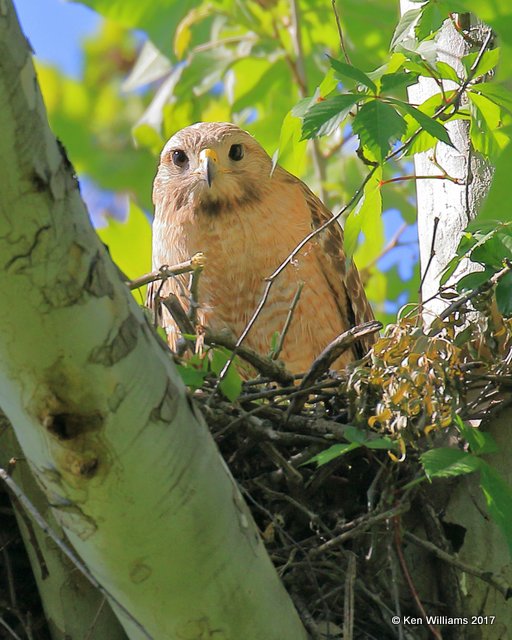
73,607
455,205
127,462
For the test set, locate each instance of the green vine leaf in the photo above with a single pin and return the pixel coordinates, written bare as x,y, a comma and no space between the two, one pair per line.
377,124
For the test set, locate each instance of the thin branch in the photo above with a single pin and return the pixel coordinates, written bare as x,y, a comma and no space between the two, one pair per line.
45,527
194,293
348,607
165,272
443,176
288,321
431,256
408,578
332,352
486,576
368,522
485,286
265,366
340,32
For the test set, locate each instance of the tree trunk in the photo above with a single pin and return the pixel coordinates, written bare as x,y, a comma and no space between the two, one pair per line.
132,473
445,208
444,211
73,607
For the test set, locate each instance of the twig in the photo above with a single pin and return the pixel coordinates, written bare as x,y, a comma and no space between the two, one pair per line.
288,321
9,629
340,32
45,527
431,256
348,607
331,353
165,272
364,524
265,366
486,576
392,244
485,286
408,578
194,293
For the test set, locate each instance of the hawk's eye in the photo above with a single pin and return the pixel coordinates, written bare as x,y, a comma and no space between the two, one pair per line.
179,157
236,152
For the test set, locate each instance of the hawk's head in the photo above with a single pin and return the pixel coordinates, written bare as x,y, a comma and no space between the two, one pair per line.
211,167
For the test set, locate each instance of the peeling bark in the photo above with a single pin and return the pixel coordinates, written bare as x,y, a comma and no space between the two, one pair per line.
130,469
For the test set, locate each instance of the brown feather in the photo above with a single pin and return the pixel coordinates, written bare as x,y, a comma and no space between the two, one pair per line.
247,224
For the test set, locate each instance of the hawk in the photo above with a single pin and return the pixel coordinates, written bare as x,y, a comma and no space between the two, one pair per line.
215,192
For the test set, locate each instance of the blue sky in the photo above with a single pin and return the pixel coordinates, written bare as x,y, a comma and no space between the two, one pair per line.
55,29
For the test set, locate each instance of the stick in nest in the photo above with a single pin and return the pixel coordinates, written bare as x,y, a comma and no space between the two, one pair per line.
331,353
263,365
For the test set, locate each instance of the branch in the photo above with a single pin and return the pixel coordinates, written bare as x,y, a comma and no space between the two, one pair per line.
197,262
495,581
340,32
288,321
331,353
41,522
483,288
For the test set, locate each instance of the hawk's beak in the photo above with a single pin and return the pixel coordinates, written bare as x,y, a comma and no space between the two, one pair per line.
209,161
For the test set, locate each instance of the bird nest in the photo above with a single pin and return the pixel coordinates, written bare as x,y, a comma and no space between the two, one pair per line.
330,465
332,469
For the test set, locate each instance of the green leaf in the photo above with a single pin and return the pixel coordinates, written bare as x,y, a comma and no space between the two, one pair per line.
495,92
498,496
504,295
486,133
231,385
399,80
324,117
479,441
431,20
364,215
428,124
291,147
332,453
447,72
129,243
487,62
191,376
344,71
404,28
376,124
473,280
446,462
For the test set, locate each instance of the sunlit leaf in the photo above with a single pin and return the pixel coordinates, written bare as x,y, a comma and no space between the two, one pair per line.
405,27
324,117
129,242
158,19
377,124
368,210
347,71
498,496
445,462
428,124
486,63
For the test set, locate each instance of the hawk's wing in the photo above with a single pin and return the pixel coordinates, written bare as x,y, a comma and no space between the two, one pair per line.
343,280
